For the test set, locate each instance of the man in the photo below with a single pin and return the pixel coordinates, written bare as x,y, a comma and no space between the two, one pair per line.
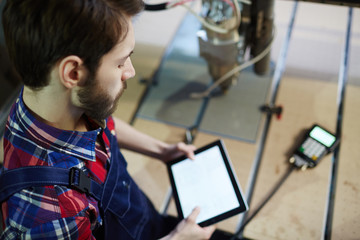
74,59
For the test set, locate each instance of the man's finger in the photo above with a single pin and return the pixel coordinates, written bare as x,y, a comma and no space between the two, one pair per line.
194,214
187,149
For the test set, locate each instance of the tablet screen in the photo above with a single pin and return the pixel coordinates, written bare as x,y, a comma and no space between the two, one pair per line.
207,182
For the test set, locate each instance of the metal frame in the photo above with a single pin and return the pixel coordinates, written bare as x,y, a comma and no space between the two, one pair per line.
279,70
342,82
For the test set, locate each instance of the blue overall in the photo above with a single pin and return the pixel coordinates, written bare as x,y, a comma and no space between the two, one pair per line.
133,217
126,211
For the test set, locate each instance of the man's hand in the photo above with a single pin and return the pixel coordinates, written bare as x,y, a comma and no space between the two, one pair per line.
176,150
130,138
189,229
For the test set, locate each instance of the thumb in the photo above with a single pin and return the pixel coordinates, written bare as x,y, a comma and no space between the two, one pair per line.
194,214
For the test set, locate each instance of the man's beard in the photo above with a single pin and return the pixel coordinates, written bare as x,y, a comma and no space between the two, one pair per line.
98,105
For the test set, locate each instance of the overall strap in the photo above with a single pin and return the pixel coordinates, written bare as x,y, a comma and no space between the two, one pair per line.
14,180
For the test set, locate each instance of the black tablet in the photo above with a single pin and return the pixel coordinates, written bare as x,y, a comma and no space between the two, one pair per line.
208,182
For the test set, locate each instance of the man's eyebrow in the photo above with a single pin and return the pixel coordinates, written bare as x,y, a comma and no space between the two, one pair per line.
124,58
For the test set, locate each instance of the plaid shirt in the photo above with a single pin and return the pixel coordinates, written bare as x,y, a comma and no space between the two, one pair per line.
52,212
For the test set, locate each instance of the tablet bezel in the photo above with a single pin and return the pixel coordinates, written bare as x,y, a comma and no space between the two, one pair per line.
237,189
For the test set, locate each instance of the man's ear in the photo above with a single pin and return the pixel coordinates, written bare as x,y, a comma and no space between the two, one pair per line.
72,72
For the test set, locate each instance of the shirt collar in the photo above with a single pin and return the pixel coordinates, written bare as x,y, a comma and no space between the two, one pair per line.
77,144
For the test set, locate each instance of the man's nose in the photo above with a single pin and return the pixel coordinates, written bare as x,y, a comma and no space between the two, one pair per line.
129,70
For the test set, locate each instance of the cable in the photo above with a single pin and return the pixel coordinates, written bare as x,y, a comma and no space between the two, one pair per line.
206,24
177,3
212,27
248,2
207,92
271,194
155,7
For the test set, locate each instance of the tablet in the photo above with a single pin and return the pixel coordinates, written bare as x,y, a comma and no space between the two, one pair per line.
208,182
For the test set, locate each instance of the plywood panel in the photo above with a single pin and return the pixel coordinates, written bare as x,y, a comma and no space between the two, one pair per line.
298,209
346,224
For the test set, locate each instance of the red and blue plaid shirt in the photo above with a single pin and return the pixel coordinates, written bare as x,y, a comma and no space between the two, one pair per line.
52,212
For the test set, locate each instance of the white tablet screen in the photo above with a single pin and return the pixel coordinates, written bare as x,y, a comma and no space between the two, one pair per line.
204,182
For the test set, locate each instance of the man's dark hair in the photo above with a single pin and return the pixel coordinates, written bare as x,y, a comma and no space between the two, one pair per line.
39,33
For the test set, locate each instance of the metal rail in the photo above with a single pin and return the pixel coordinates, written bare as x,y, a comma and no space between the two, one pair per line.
342,82
280,66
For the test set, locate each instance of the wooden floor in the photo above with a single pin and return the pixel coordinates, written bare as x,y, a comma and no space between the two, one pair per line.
298,209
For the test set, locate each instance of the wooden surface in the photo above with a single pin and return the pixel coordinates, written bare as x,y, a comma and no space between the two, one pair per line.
297,211
298,208
346,224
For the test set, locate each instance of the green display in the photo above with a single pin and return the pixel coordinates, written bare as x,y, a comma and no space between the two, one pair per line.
322,136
